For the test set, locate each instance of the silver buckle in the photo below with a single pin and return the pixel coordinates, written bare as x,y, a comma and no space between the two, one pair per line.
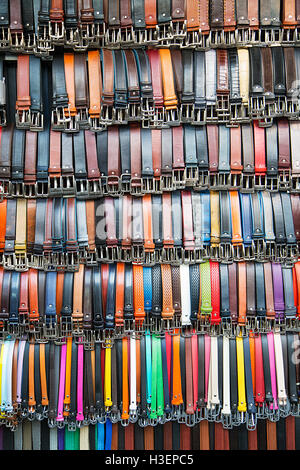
272,184
292,107
187,113
82,189
171,117
95,188
211,113
41,189
295,186
224,180
37,121
216,38
226,252
44,44
148,185
68,185
200,116
284,180
113,185
247,183
134,112
57,32
107,115
168,255
257,106
280,105
23,119
29,190
16,40
96,124
191,175
71,36
17,189
127,36
260,182
167,183
235,181
223,108
55,186
148,36
136,186
112,37
4,38
138,254
178,178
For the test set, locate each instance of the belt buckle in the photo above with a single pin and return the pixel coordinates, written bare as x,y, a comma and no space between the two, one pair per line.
284,180
187,114
87,34
127,36
172,117
254,36
288,36
96,124
136,186
223,180
193,39
138,254
99,30
55,186
71,36
189,256
29,190
178,29
237,114
148,36
147,109
57,32
20,262
167,182
82,189
107,115
23,119
168,255
8,261
260,182
191,175
134,112
157,182
125,183
17,189
16,41
112,253
149,259
292,252
30,43
235,181
271,250
101,254
226,252
230,38
3,118
292,107
259,249
112,37
216,38
113,185
50,331
199,255
158,119
211,113
60,116
164,33
148,185
4,38
213,180
295,183
203,180
90,258
121,115
178,178
247,183
41,189
68,261
280,105
68,185
37,121
272,184
83,119
238,252
200,116
94,188
223,108
257,106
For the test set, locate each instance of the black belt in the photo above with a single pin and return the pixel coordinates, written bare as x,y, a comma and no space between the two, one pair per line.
272,150
124,135
225,222
102,152
14,298
28,16
288,219
111,298
190,148
67,303
79,156
18,153
256,72
278,218
278,71
57,226
138,13
37,381
100,235
188,93
97,299
257,216
250,290
157,221
41,294
98,11
292,384
40,226
121,95
60,95
235,95
43,156
260,290
44,13
4,13
164,11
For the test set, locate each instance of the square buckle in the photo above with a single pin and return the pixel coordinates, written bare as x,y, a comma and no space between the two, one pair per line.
230,38
211,113
295,184
4,38
107,115
127,36
178,178
171,117
125,183
223,108
216,38
164,33
280,105
226,252
112,253
55,186
292,252
150,258
71,36
260,182
167,183
41,189
247,183
113,37
16,40
255,36
191,175
238,252
203,180
272,184
288,36
147,109
44,44
292,108
200,116
96,124
68,185
57,32
147,36
138,254
37,121
270,250
238,114
17,189
82,189
29,190
249,252
187,114
134,112
30,43
284,180
69,261
9,261
113,186
23,119
148,185
95,188
194,39
168,255
121,115
189,256
257,106
125,254
20,262
90,258
101,254
223,180
136,187
235,181
259,249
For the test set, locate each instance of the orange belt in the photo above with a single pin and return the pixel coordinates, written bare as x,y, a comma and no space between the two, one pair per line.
3,208
95,80
147,216
44,390
78,296
67,400
170,98
138,294
120,289
237,238
177,388
167,301
69,61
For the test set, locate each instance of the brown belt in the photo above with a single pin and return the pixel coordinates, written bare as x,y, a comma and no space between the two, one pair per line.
57,11
16,25
24,296
233,287
229,15
23,88
192,15
289,14
91,227
120,291
216,14
48,227
147,218
221,437
81,83
167,294
178,71
185,437
30,158
150,13
95,84
108,78
91,156
127,222
6,151
284,157
31,215
269,290
149,438
213,147
125,13
176,290
135,155
113,163
156,152
253,14
55,154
